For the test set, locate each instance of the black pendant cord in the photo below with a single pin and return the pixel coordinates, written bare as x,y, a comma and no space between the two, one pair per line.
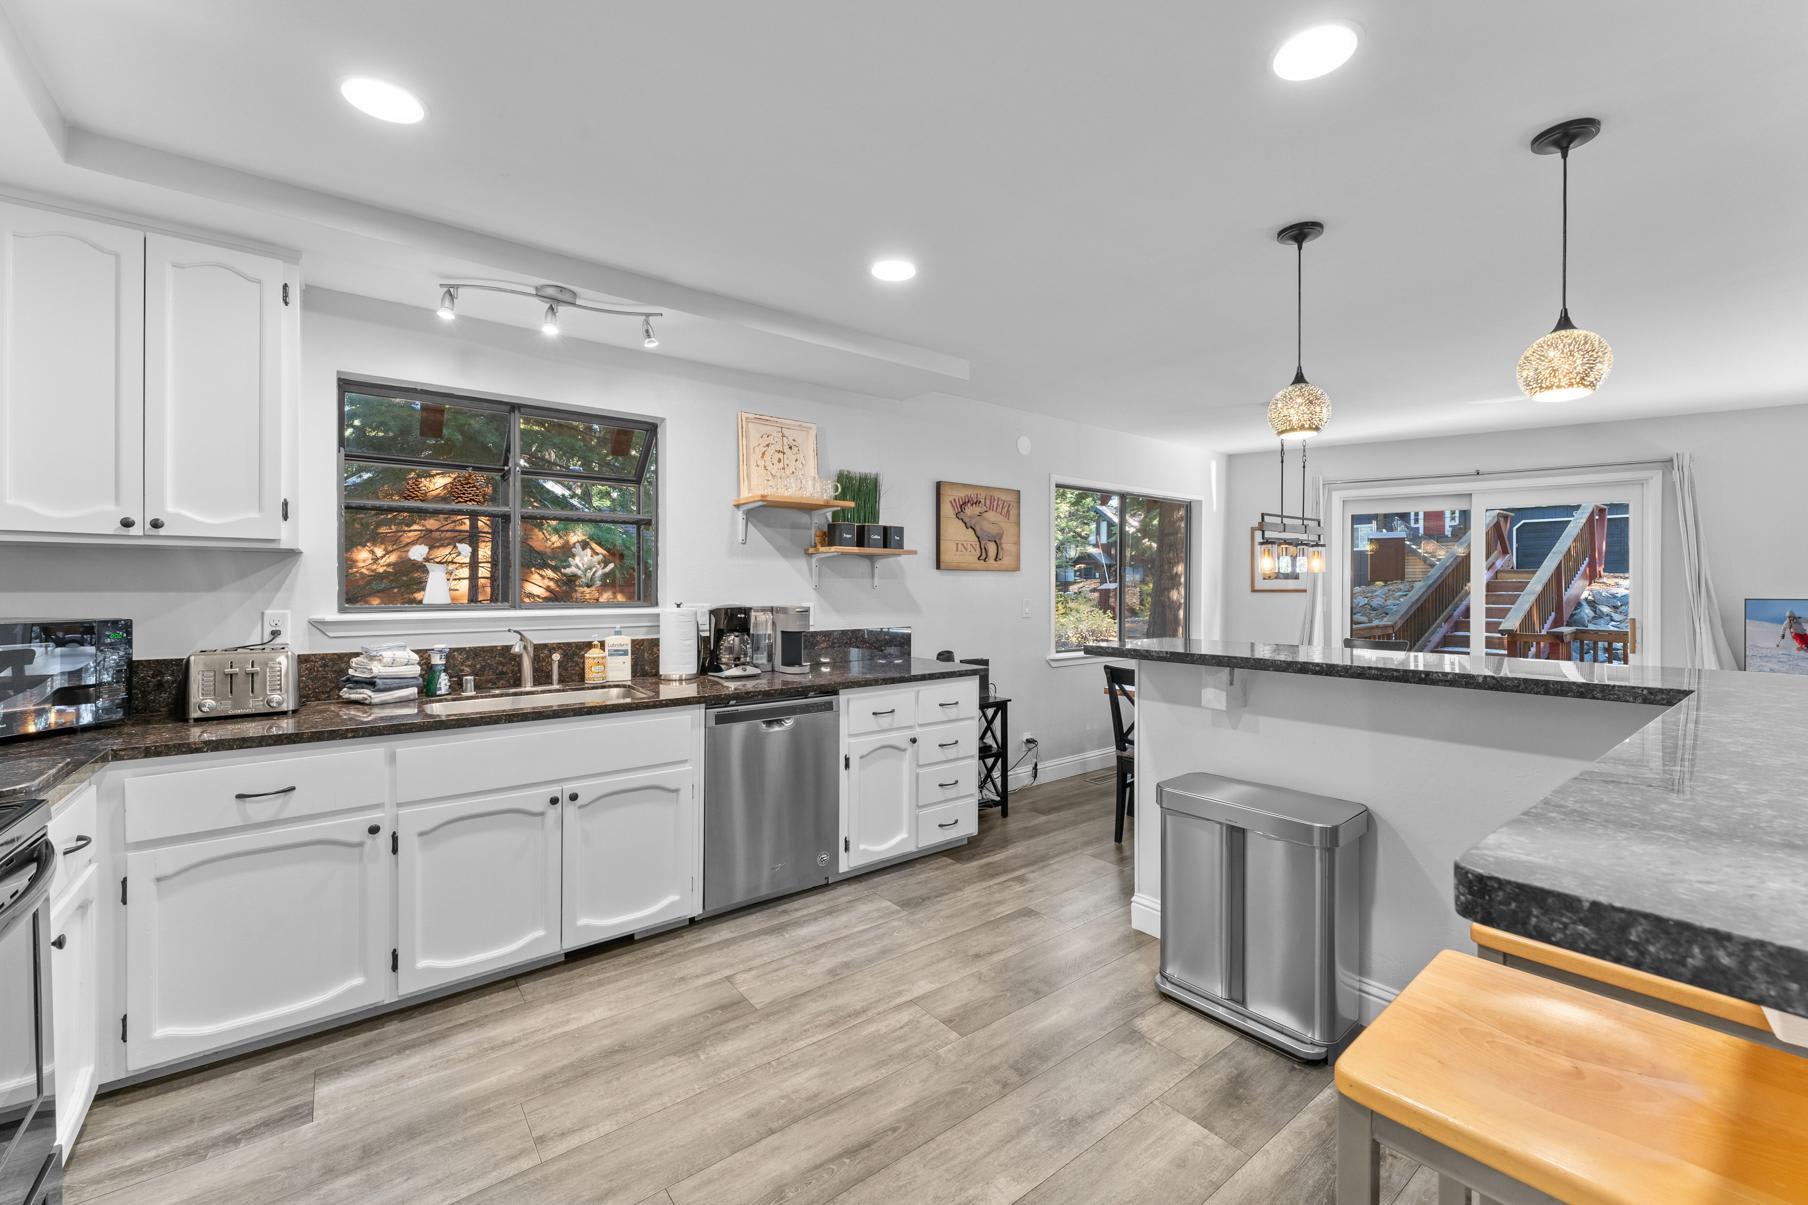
1302,479
1299,310
1283,506
1563,287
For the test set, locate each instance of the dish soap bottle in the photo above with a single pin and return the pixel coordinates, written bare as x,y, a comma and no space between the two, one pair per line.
595,663
439,678
619,651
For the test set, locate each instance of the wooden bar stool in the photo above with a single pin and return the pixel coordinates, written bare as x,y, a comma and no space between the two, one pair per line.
1527,1090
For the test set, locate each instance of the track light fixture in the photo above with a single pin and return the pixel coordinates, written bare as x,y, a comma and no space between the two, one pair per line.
556,297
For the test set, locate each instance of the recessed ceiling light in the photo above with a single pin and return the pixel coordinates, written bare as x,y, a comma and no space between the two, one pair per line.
893,270
1315,52
382,100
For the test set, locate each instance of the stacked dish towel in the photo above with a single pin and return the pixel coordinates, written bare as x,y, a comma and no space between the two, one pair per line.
382,673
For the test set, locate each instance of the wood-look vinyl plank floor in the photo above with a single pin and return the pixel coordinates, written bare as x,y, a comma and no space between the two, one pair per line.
978,1026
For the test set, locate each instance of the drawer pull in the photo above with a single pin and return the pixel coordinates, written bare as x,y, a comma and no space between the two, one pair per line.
950,824
950,703
955,783
82,841
948,745
264,794
887,711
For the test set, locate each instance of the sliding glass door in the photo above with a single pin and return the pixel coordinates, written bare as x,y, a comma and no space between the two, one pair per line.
1561,568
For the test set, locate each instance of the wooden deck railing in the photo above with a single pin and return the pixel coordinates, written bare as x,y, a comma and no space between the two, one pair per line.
1442,595
1612,645
1577,558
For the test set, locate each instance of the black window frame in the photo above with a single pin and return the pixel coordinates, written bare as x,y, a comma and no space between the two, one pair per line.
645,480
1188,597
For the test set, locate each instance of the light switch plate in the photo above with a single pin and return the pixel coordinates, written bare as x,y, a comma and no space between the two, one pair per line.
276,621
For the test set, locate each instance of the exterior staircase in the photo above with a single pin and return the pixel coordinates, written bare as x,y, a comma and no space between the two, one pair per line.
1504,589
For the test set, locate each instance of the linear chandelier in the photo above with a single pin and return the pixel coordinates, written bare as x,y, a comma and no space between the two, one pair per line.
556,297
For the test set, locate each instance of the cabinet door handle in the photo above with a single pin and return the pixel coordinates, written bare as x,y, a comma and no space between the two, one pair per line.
553,802
82,841
264,794
60,940
947,744
572,798
955,783
374,829
950,824
128,521
887,711
157,524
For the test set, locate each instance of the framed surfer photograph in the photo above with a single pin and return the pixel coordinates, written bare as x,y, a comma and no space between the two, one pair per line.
1776,635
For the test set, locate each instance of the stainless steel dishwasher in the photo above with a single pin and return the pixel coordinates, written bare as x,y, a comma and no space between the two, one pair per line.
771,799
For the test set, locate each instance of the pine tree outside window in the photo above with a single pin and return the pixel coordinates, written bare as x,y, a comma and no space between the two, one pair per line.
450,502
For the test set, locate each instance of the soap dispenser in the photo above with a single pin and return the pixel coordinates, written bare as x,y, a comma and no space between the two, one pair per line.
596,669
619,651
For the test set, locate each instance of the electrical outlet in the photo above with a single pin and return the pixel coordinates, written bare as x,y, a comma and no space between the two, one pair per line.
276,627
1030,742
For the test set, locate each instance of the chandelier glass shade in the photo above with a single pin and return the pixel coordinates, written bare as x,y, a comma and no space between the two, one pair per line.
1300,410
1567,364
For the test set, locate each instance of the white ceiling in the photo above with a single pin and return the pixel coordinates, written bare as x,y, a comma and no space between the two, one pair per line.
1090,189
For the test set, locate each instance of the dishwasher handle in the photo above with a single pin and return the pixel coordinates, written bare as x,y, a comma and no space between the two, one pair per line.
778,725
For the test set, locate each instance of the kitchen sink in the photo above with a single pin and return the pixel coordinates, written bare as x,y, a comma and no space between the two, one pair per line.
479,704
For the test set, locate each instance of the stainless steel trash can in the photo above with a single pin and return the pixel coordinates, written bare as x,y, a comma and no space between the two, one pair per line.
1259,900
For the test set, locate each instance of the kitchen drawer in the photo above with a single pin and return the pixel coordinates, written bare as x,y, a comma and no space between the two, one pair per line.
880,711
73,833
207,798
946,743
957,699
944,784
511,756
946,821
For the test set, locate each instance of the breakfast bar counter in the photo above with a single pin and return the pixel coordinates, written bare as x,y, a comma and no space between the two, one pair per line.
1652,817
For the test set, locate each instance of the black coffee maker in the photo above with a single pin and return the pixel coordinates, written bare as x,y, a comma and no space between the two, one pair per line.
729,647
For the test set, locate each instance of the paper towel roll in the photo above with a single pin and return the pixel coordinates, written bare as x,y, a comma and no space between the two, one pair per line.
678,627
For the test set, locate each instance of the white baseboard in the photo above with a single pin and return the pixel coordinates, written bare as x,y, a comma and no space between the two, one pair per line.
1071,766
1145,917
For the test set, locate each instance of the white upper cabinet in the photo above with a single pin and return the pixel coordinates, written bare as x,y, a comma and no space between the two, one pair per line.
477,886
147,385
632,853
71,375
213,391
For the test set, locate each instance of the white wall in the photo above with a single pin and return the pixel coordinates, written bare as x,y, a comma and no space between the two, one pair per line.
1748,474
184,599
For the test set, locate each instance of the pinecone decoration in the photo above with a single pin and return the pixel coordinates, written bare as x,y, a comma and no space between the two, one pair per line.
416,488
469,489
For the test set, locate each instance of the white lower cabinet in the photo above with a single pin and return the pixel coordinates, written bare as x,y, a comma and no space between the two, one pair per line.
477,886
881,797
75,1001
633,853
232,937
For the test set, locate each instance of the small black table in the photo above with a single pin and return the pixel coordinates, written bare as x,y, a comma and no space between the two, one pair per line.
994,741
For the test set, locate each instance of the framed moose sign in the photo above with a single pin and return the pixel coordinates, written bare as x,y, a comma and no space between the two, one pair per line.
978,527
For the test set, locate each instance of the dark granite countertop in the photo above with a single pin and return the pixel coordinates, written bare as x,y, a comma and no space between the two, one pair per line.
1683,851
1567,679
52,766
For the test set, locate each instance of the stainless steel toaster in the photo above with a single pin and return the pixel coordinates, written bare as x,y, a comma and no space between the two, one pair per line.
241,682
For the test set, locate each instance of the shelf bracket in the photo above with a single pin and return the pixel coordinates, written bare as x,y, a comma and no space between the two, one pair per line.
741,520
815,573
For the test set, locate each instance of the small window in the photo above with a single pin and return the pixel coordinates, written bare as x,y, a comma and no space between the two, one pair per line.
1120,566
451,502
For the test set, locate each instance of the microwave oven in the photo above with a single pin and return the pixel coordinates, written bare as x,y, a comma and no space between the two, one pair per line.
59,674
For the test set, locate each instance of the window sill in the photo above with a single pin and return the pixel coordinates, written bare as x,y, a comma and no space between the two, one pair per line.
1060,659
634,621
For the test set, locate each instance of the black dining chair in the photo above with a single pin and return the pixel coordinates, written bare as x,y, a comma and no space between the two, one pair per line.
1120,684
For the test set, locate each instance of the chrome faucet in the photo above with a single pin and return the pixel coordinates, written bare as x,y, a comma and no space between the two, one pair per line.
524,648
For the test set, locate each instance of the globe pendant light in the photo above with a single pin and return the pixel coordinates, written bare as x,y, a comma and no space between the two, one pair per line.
1301,410
1568,363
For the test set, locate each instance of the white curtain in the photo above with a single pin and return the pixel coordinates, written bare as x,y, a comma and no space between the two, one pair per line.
1708,648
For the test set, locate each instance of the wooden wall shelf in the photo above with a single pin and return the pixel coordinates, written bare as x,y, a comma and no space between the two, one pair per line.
816,506
872,556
